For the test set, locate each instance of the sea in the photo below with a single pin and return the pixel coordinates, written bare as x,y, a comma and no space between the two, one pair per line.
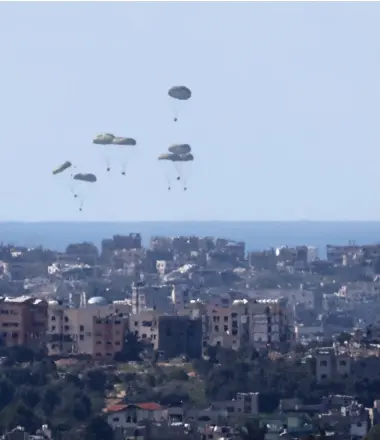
256,234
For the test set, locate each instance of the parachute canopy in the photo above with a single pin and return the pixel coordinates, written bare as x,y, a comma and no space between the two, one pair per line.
123,141
90,178
180,92
183,158
176,157
104,139
62,168
167,156
179,149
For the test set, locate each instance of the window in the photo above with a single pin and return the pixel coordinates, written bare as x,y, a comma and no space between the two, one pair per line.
225,319
323,363
53,318
81,328
115,419
81,337
225,328
66,319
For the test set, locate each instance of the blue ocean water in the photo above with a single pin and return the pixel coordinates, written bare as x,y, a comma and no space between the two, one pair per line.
257,235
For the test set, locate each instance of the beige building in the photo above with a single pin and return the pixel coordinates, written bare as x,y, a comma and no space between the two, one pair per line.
72,330
23,321
145,325
257,322
109,335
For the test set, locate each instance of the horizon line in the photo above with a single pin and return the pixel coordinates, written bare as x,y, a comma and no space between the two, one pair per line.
183,221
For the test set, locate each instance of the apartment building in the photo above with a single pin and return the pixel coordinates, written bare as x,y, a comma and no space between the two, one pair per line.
145,297
23,321
257,322
172,335
109,335
179,335
330,364
145,325
71,330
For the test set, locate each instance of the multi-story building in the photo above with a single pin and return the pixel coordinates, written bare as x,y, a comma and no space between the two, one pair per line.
109,335
171,335
23,321
257,322
336,254
330,364
145,297
179,335
71,330
182,295
144,325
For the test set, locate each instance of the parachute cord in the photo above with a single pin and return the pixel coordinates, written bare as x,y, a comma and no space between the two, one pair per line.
107,161
178,171
81,203
168,180
175,112
72,190
124,168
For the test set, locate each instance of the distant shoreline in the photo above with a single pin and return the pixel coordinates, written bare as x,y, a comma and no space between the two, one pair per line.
257,235
4,222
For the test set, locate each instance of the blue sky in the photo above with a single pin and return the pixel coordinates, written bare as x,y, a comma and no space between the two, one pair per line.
284,120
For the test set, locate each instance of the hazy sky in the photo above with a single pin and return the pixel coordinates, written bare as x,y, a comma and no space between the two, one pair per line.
284,120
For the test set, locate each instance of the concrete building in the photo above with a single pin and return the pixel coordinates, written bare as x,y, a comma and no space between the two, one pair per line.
23,321
129,416
146,297
330,364
144,325
109,335
182,296
257,322
71,330
179,335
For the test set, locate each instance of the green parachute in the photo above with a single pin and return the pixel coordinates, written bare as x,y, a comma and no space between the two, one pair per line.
66,165
103,139
111,145
85,177
179,93
179,149
82,179
176,159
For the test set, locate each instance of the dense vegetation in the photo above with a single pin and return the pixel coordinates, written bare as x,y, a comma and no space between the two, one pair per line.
34,390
